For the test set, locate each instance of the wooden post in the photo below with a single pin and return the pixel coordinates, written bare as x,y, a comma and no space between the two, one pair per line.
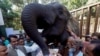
81,23
75,13
96,20
88,21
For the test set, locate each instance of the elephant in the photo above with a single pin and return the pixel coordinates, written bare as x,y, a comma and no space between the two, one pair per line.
52,18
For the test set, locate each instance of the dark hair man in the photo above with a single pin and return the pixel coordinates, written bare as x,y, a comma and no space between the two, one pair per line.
93,49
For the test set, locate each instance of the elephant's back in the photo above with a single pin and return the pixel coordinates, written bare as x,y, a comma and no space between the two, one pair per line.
30,12
35,8
32,9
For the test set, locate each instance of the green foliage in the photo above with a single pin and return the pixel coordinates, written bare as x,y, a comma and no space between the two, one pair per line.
8,13
12,17
18,2
74,4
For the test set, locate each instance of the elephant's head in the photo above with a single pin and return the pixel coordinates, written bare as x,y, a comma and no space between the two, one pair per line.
61,20
61,10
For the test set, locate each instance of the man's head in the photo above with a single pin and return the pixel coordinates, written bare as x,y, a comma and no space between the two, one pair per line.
21,41
13,40
93,48
3,38
3,50
70,41
28,38
88,38
95,35
96,51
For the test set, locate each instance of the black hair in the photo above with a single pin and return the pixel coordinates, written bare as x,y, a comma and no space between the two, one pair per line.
1,36
96,51
20,39
11,36
96,34
2,44
95,42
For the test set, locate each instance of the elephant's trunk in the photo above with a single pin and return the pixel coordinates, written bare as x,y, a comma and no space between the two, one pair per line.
30,27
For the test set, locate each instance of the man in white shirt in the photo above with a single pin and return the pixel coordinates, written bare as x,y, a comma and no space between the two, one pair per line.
34,49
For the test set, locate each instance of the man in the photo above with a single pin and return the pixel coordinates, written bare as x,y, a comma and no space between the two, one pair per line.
96,51
88,38
3,50
14,49
5,40
95,36
21,41
28,41
34,48
70,47
93,49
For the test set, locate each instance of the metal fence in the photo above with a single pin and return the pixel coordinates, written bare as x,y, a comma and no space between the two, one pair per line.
88,18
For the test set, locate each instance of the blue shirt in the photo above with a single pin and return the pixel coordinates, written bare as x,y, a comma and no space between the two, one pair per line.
6,42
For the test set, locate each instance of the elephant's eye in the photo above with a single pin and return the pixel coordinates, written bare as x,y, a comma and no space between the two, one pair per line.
60,9
60,12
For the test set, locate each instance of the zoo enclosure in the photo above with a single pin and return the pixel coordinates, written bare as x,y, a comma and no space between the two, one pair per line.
88,18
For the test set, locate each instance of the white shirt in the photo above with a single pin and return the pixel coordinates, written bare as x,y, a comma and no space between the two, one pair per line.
32,48
80,53
19,52
71,50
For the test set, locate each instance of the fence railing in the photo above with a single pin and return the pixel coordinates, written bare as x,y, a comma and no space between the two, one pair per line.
88,18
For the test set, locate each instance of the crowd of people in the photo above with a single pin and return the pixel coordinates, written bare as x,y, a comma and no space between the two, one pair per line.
24,46
89,47
18,46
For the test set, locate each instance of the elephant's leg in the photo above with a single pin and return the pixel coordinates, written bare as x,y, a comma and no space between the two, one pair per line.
30,27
